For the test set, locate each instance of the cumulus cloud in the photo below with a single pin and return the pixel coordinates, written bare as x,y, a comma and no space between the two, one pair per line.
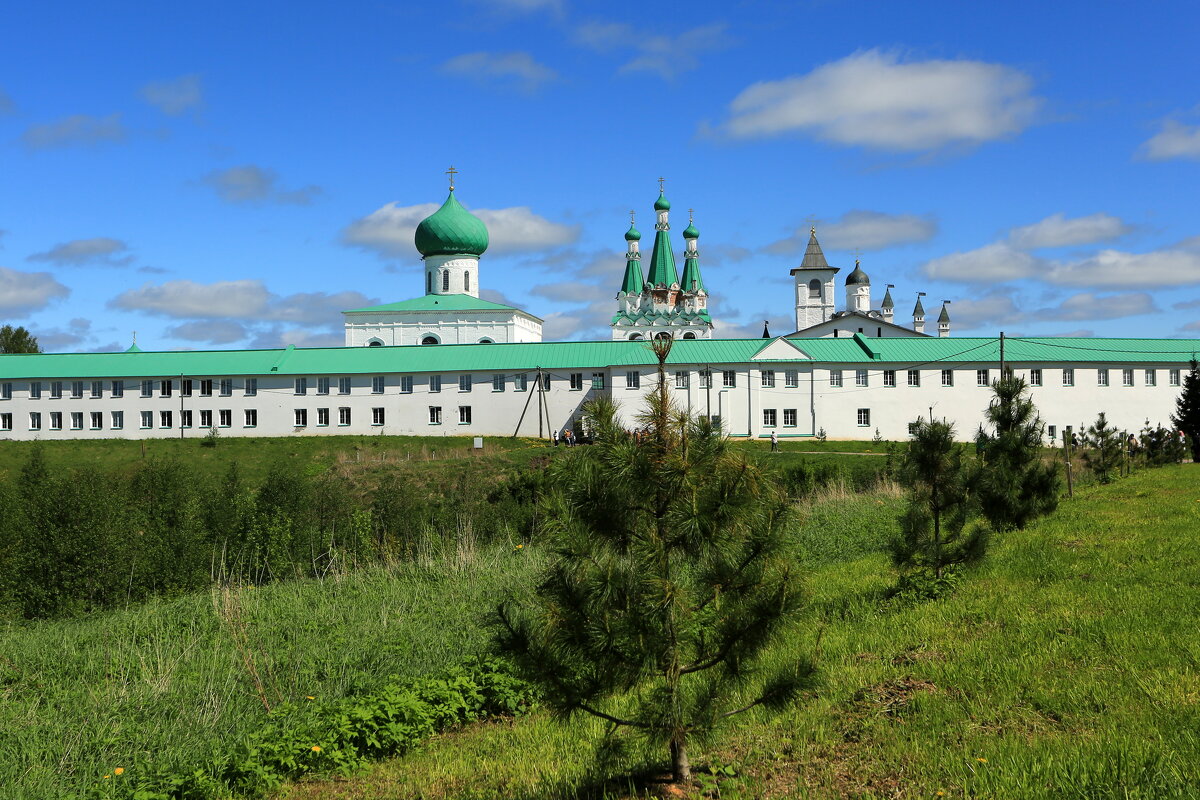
101,251
1091,306
1058,231
872,99
246,300
517,69
279,336
174,97
867,230
994,262
23,292
251,184
1173,140
665,55
209,331
388,231
992,308
54,340
1186,304
1118,268
78,129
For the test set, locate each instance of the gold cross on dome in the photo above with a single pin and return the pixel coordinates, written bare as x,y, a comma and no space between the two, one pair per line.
452,172
631,216
660,185
690,212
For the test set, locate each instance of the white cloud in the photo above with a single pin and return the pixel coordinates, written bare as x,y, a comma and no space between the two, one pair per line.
316,307
994,262
1174,140
868,230
1186,304
253,184
22,292
79,129
246,300
55,340
1058,231
524,6
209,331
1091,306
989,309
1081,333
176,96
1118,268
667,56
301,337
388,231
516,68
872,99
1192,326
100,250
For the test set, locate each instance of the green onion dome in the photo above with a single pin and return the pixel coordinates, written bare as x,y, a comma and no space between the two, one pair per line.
451,231
633,234
690,232
662,203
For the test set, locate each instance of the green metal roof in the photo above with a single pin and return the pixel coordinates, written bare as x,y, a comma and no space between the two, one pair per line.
690,232
439,302
662,261
451,230
691,275
662,203
633,282
581,355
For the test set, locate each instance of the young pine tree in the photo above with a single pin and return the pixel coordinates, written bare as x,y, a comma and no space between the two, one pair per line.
934,533
669,580
1014,484
1187,410
1105,450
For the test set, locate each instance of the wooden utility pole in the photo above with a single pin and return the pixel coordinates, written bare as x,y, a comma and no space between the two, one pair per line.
1001,355
1067,436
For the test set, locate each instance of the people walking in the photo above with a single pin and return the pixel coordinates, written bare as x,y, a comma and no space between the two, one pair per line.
774,442
554,436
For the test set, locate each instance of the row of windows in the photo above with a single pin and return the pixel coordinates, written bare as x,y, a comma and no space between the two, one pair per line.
983,377
771,417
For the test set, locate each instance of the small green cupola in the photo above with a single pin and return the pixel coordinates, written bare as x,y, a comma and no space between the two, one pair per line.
451,231
690,231
633,234
662,203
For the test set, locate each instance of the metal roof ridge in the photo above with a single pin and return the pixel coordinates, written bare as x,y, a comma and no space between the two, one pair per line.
862,342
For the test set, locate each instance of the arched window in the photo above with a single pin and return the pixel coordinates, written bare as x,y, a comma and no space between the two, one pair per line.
689,335
633,337
466,280
429,340
814,288
445,280
662,335
428,283
374,343
486,340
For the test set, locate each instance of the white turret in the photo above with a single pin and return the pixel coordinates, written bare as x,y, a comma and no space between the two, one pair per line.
814,286
858,290
944,320
919,314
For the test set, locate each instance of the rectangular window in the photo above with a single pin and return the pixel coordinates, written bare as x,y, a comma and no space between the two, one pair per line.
729,379
546,382
981,377
789,418
226,388
705,379
1069,376
251,387
343,416
5,422
435,383
97,389
118,388
251,417
1151,377
225,417
682,380
322,417
76,420
914,377
633,380
791,379
185,387
835,378
1035,377
769,418
377,416
6,391
35,421
1052,432
912,429
768,378
343,386
406,384
1173,377
464,415
947,377
576,381
147,419
205,419
322,385
185,418
864,418
56,390
520,382
301,415
118,420
598,380
1127,377
301,386
206,387
35,390
464,383
860,377
147,388
435,415
889,377
164,388
497,383
377,384
164,419
1102,377
97,420
76,390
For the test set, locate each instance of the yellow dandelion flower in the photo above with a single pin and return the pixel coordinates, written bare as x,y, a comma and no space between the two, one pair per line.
941,793
981,760
119,771
520,546
316,748
309,697
106,777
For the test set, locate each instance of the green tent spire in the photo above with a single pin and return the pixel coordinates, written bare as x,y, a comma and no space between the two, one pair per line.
632,283
662,259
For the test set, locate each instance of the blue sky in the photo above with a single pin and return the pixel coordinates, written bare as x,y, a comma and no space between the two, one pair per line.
233,175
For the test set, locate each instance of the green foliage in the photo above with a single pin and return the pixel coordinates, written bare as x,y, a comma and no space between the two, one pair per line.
821,435
1104,450
1187,410
935,533
211,438
671,579
1014,484
1158,446
18,340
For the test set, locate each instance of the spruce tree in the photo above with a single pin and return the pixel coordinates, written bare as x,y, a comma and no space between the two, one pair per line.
1105,445
1014,484
669,580
934,533
1187,410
